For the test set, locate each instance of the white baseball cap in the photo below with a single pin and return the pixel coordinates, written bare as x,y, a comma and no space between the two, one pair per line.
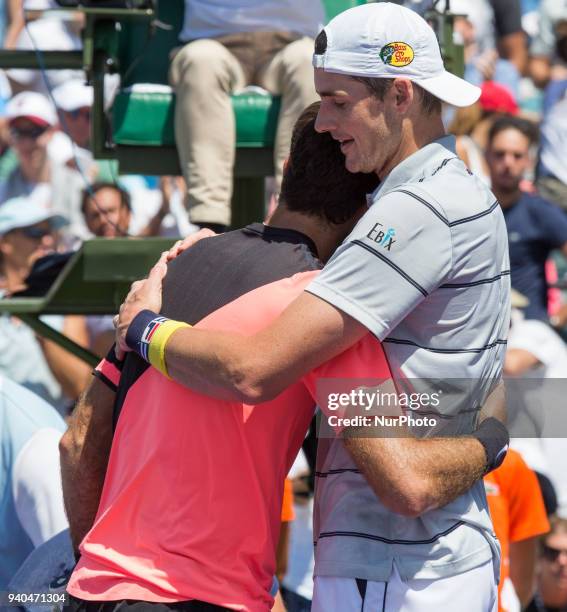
385,40
25,211
74,94
33,106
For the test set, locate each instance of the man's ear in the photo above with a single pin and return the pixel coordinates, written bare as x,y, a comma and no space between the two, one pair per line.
403,94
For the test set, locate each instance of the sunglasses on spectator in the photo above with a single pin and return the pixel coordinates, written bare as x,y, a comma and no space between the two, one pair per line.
34,132
552,554
35,233
80,112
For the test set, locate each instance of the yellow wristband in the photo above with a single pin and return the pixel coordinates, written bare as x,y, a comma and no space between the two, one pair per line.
160,338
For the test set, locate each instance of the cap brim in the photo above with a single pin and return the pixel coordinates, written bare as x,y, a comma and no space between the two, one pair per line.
34,119
57,221
451,89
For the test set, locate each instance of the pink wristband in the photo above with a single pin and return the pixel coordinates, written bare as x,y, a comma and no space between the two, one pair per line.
109,371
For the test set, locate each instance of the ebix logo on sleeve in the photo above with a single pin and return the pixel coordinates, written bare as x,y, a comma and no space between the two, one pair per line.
381,236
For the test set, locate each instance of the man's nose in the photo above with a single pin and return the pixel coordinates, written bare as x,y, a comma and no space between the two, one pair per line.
324,122
48,240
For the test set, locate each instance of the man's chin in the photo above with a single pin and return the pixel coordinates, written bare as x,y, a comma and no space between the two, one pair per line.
508,184
352,165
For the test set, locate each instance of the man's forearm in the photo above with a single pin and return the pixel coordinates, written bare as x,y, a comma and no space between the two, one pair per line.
256,368
84,450
411,476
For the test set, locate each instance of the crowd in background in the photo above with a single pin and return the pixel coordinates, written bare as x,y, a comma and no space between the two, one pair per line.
54,195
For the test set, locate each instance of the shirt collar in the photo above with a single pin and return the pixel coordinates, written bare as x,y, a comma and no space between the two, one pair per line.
418,165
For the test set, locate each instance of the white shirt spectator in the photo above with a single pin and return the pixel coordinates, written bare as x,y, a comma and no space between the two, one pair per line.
550,13
545,455
210,18
32,504
48,33
554,141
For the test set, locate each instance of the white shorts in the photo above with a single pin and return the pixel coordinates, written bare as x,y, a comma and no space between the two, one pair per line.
472,591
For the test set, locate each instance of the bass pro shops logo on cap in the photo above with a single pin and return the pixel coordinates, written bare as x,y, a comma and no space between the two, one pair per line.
397,54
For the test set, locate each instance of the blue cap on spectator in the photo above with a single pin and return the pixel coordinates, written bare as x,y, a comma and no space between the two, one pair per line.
23,212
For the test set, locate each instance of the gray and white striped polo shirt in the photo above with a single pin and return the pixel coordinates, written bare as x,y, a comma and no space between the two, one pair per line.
426,270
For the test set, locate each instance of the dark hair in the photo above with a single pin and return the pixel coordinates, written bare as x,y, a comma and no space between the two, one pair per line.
430,104
315,180
93,189
508,122
321,43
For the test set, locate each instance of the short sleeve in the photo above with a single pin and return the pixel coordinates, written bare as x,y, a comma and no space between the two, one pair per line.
399,252
527,510
507,17
363,361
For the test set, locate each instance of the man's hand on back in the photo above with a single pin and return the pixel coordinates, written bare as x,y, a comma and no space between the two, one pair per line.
146,294
143,295
183,245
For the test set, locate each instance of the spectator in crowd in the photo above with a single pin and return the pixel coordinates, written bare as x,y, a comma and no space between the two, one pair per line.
12,22
107,211
495,44
32,501
551,594
27,232
519,517
535,226
552,171
74,101
493,26
41,30
32,121
536,352
548,49
269,43
472,124
510,37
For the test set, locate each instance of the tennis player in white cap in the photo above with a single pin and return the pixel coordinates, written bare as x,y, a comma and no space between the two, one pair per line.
401,524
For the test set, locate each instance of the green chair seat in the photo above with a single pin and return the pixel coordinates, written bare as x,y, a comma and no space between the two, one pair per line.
146,119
